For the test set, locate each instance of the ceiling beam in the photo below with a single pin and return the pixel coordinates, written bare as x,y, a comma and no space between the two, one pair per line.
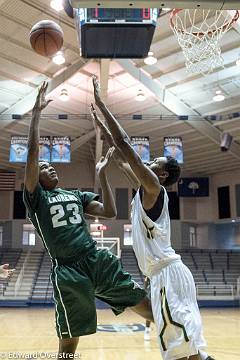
212,168
58,17
184,86
24,64
77,143
212,159
178,107
155,128
28,26
163,96
223,111
25,105
24,127
184,4
8,76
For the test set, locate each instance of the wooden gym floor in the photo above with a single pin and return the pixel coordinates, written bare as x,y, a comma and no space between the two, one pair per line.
28,331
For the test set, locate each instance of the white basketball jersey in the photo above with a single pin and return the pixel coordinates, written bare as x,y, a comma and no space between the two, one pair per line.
152,240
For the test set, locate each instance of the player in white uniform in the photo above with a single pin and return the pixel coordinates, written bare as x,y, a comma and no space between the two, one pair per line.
173,293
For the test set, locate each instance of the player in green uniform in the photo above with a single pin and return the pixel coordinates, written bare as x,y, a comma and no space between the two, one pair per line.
80,271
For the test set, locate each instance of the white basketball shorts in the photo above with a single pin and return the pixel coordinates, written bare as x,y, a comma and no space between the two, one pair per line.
176,312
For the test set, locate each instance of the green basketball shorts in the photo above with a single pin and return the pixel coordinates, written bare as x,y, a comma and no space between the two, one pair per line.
98,274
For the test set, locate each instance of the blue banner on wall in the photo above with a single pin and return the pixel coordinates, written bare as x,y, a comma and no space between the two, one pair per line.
45,148
173,147
61,149
142,147
18,149
193,187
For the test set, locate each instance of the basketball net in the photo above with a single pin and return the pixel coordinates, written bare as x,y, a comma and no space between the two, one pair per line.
199,33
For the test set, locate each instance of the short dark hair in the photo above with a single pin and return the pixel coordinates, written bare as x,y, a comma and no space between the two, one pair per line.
174,171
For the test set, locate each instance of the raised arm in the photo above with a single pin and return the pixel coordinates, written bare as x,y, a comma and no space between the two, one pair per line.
117,155
145,175
32,169
106,209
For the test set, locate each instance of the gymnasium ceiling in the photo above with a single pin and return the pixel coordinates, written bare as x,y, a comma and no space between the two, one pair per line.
22,70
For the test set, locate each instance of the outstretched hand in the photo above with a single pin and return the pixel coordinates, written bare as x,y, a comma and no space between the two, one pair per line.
41,102
104,161
5,272
116,154
97,122
97,91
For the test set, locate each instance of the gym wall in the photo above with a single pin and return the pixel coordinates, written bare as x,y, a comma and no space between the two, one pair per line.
204,211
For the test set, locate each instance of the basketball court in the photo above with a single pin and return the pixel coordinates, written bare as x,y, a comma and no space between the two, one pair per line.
169,72
119,342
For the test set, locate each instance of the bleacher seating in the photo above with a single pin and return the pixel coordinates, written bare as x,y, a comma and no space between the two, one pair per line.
215,272
42,289
20,285
129,263
11,257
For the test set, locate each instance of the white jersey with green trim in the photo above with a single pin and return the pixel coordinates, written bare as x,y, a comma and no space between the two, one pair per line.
152,240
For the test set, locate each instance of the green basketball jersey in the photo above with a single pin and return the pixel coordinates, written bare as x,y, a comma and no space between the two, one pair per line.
58,217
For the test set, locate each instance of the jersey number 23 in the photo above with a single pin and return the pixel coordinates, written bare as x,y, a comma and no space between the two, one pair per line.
58,213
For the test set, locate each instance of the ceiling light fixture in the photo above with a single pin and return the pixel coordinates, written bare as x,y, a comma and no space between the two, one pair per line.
56,5
59,58
150,59
64,95
219,96
140,96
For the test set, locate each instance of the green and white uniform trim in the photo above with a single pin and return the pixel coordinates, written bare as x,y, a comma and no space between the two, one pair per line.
80,272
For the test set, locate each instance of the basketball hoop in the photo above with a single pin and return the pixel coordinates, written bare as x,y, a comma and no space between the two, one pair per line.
199,33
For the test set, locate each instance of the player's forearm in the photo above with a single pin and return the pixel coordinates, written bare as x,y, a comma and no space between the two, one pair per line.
130,176
109,205
118,133
33,135
31,170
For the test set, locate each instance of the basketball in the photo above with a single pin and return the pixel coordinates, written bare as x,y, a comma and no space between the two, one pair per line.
46,38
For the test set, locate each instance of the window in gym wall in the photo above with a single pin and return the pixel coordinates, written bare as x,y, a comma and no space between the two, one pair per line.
29,235
193,238
1,236
224,206
19,209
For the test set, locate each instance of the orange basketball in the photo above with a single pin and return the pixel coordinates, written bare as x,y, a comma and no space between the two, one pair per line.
46,38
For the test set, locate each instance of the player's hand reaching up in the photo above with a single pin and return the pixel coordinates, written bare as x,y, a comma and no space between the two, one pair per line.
41,102
97,122
107,135
5,272
97,91
104,162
